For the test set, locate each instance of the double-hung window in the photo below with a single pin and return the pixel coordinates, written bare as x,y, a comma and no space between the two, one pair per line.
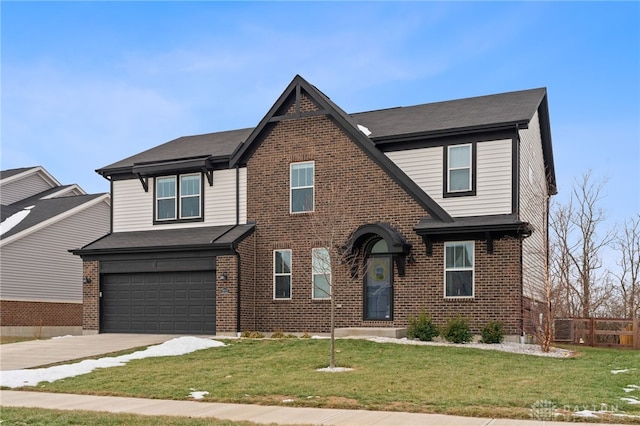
458,269
190,196
282,274
321,273
178,197
459,168
301,187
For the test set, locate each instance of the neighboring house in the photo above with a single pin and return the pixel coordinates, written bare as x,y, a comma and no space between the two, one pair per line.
40,281
443,208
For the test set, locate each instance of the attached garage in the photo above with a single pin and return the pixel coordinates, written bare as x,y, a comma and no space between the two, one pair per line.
163,281
159,302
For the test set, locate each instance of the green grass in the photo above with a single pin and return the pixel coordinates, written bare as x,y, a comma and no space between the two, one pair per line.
392,377
14,339
39,416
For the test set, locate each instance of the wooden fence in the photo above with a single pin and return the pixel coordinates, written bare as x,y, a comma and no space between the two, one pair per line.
610,332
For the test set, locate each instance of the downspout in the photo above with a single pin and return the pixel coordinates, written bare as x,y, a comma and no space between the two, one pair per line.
516,195
235,251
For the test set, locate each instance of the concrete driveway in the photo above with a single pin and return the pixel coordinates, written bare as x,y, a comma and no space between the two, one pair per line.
35,353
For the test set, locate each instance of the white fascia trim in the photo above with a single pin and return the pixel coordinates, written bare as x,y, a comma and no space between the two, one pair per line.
63,191
39,169
61,216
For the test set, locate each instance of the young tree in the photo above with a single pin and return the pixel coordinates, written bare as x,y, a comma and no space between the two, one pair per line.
329,226
580,239
627,244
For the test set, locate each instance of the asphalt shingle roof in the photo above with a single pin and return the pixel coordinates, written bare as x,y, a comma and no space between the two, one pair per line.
478,112
433,118
220,144
11,172
211,236
44,210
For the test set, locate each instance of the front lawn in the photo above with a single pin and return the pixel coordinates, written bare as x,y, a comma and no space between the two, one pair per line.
388,376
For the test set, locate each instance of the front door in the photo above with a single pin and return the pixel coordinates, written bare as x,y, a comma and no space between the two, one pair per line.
378,288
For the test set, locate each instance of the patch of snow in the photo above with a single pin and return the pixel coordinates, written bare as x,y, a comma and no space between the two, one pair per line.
626,370
519,348
631,401
288,400
631,388
334,369
174,347
198,394
9,223
320,337
585,414
364,130
61,337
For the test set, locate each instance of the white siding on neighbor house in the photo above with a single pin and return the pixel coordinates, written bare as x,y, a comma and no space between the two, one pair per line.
38,267
133,208
533,199
493,178
25,187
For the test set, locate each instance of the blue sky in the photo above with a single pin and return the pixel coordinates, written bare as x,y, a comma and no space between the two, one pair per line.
85,84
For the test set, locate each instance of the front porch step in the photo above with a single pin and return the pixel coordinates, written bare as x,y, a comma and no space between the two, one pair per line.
396,333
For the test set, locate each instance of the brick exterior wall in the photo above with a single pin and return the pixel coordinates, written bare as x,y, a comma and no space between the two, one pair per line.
39,314
365,194
91,296
226,294
247,295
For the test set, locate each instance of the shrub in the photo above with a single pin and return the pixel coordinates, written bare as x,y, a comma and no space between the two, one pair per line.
421,327
278,334
252,335
493,332
457,330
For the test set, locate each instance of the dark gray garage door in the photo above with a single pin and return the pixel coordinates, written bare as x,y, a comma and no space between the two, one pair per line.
159,302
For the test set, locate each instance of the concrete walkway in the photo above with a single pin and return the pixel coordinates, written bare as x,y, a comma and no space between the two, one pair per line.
260,414
35,353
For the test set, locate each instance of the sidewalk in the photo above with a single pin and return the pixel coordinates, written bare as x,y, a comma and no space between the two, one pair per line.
254,413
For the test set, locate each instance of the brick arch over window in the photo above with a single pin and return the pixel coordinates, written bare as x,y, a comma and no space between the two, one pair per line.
397,244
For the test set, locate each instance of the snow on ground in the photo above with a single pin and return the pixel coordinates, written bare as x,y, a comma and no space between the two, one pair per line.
174,347
334,369
505,347
198,394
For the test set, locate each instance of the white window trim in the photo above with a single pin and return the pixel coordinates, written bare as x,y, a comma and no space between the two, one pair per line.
281,274
449,169
314,273
472,269
175,198
291,188
199,195
178,197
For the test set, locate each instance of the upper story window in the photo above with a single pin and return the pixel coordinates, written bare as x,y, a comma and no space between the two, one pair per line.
301,187
321,273
459,169
458,269
178,197
282,274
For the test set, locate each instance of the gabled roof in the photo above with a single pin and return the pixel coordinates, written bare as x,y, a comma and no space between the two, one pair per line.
349,126
9,175
4,174
198,238
512,110
44,210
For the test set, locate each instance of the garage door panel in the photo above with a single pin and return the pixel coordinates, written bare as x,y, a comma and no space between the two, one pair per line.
181,302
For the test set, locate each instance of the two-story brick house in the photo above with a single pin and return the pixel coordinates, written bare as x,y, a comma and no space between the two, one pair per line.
439,207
